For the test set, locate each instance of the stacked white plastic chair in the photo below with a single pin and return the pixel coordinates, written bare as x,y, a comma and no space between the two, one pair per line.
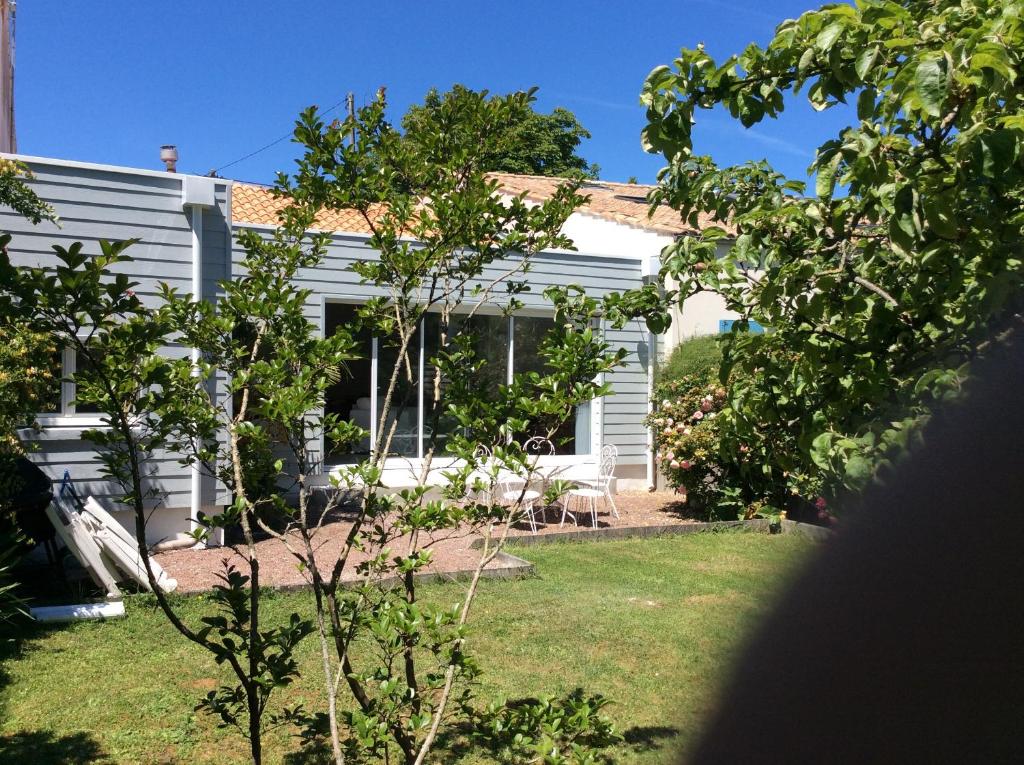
107,552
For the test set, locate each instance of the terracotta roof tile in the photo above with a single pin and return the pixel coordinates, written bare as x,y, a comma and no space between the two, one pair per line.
620,202
257,204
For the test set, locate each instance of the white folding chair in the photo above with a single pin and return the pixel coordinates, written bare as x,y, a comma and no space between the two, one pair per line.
595,488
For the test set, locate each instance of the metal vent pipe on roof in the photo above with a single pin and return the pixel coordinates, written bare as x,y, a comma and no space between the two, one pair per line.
169,156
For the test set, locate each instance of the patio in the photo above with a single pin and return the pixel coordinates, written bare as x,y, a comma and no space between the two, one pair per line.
197,570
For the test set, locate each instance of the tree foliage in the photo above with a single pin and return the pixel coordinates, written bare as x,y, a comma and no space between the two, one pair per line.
445,244
27,378
27,381
880,287
530,142
448,246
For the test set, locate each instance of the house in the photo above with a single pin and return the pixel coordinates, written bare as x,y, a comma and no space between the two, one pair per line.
618,221
187,227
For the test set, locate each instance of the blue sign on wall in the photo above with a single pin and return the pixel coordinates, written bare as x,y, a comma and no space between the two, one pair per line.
725,325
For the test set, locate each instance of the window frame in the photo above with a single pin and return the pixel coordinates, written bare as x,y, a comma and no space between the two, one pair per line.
67,416
595,414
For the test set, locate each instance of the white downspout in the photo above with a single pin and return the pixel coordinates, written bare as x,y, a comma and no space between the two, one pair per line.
196,193
197,296
652,362
651,271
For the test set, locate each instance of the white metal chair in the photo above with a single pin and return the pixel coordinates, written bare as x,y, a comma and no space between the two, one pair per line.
484,458
595,488
515,488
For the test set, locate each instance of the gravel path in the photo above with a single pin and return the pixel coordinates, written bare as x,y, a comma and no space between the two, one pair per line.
198,570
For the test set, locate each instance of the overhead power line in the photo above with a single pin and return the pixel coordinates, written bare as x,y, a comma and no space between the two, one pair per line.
275,142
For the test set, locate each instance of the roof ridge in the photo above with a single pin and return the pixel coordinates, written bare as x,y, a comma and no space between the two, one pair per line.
255,203
254,184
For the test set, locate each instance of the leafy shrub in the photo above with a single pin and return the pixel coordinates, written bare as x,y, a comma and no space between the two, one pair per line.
699,356
11,548
723,475
567,731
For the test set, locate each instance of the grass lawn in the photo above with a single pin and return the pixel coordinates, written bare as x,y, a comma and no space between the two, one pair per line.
651,623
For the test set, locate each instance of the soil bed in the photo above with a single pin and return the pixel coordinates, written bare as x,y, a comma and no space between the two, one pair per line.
199,570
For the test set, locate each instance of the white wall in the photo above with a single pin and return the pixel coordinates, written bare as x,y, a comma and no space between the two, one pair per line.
599,236
699,314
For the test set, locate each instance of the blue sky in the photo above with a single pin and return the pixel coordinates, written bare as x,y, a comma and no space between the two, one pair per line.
111,81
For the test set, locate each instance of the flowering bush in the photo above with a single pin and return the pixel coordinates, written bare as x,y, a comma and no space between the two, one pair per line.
722,475
688,439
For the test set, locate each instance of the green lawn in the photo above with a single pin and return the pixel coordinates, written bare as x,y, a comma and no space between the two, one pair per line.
651,623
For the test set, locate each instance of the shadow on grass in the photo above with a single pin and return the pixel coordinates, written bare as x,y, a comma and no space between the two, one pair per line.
648,738
311,754
43,747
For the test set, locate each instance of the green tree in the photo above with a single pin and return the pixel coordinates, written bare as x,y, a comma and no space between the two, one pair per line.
530,142
449,247
27,380
446,246
881,287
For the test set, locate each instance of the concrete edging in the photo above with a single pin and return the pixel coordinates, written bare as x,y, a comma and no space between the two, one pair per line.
817,533
513,567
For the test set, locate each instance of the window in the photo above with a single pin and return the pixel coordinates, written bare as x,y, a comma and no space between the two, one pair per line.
500,341
573,436
490,345
62,402
350,397
725,325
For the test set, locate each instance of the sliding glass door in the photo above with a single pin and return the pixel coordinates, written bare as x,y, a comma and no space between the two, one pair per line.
573,435
502,344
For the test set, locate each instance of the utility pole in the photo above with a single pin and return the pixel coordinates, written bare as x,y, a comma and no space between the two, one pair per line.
351,100
8,139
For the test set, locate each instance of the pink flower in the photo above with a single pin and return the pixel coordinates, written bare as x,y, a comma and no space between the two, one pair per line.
685,464
698,415
820,503
705,406
674,463
667,432
744,448
670,456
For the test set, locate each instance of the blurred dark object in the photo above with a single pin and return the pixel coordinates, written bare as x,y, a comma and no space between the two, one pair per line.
30,491
903,641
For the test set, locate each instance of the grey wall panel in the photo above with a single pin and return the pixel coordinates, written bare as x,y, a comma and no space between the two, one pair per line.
624,410
114,204
77,457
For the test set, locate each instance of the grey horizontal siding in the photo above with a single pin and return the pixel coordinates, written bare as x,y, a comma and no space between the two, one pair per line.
164,473
624,409
94,204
